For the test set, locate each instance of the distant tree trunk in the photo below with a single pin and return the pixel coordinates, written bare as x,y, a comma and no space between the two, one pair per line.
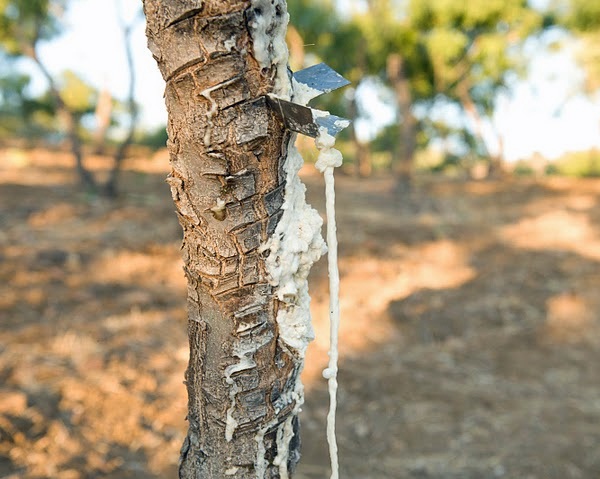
496,162
296,43
363,157
363,166
227,153
497,167
70,120
103,115
110,188
407,127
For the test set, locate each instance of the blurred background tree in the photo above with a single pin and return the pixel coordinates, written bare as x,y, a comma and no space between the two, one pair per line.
24,25
474,48
440,69
582,19
427,53
22,115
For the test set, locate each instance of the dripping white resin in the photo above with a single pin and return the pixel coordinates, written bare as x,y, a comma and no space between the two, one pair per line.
296,243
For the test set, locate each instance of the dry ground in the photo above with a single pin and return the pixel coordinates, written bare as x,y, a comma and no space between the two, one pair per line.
470,339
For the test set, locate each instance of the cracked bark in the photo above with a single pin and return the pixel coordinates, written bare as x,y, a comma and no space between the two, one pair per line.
227,152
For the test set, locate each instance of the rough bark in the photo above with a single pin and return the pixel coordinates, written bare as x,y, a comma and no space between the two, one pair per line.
407,126
227,151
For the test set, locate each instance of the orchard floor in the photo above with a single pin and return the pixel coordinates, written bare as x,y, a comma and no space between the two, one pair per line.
470,345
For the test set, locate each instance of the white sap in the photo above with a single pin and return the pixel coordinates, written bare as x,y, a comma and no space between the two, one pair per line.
296,243
330,158
268,31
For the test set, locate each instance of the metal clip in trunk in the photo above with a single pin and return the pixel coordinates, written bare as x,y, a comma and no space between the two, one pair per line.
305,120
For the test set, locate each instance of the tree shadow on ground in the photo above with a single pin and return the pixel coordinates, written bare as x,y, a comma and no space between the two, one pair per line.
493,378
93,330
473,378
489,375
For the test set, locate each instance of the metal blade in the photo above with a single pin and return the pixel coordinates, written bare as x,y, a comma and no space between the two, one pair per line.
296,117
305,120
321,78
333,124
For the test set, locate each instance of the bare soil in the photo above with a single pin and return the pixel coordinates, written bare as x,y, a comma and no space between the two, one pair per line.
470,344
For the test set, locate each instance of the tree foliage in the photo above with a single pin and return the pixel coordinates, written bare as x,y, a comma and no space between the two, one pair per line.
79,96
582,18
465,52
23,23
22,113
474,48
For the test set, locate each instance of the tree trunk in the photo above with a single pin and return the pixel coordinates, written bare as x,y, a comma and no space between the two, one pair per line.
363,158
110,188
497,168
296,43
407,126
228,155
70,120
363,166
496,162
103,116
